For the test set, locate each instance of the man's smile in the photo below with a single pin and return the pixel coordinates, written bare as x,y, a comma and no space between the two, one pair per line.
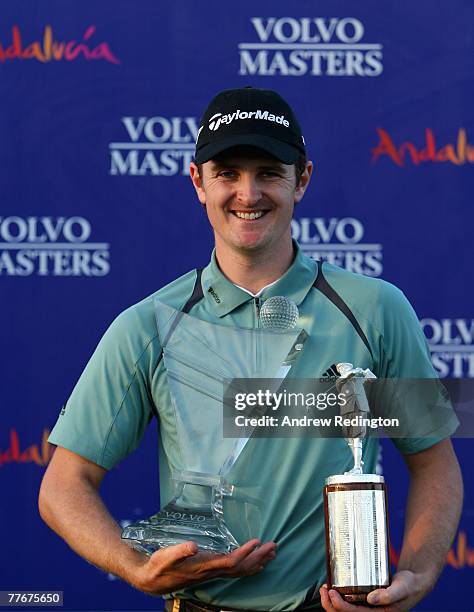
249,215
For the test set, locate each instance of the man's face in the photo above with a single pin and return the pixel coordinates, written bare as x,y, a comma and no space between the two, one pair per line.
249,198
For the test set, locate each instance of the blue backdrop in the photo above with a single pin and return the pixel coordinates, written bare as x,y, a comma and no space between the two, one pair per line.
100,109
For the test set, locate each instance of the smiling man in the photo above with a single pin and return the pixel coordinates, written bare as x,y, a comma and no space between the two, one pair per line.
249,199
250,171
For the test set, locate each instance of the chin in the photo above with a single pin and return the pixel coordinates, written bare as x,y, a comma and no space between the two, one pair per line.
252,245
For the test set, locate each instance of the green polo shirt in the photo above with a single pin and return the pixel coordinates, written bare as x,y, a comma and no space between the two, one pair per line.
125,381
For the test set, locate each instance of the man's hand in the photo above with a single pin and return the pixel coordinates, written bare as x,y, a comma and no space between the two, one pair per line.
406,590
172,568
70,504
433,510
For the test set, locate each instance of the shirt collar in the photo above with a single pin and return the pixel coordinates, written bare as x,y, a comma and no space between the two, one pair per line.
224,296
259,293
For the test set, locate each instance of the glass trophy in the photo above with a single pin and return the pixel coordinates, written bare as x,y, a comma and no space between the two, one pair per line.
355,507
200,359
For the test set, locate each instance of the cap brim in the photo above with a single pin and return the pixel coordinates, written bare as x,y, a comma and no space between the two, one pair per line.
286,153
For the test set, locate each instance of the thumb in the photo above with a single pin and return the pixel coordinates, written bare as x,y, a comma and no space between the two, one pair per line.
384,597
170,555
379,597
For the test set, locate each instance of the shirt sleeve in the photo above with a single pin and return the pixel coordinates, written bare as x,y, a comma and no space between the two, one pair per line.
405,355
107,413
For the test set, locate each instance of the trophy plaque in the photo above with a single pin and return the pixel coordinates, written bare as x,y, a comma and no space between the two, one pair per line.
355,508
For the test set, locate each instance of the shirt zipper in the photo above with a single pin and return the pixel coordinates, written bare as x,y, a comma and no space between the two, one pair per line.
257,336
257,310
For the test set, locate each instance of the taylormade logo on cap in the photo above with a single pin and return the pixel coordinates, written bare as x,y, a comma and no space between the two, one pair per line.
258,118
219,119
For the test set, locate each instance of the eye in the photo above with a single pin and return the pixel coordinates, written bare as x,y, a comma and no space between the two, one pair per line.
227,174
270,174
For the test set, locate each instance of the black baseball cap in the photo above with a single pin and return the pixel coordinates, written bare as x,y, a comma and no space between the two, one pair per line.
253,117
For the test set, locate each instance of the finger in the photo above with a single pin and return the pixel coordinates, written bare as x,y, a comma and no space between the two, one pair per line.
234,558
262,552
341,605
256,560
271,555
384,597
169,556
245,560
243,551
325,601
247,571
398,590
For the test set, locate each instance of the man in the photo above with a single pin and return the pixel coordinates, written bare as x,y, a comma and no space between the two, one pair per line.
250,171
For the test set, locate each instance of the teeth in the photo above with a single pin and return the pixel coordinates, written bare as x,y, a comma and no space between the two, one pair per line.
255,215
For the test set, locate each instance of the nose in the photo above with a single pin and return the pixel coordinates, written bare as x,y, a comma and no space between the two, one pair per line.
248,191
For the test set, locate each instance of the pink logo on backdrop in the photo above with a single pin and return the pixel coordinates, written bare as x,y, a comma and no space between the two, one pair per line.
49,49
15,452
458,153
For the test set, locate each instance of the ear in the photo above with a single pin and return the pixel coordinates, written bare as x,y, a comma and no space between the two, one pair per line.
197,182
304,182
